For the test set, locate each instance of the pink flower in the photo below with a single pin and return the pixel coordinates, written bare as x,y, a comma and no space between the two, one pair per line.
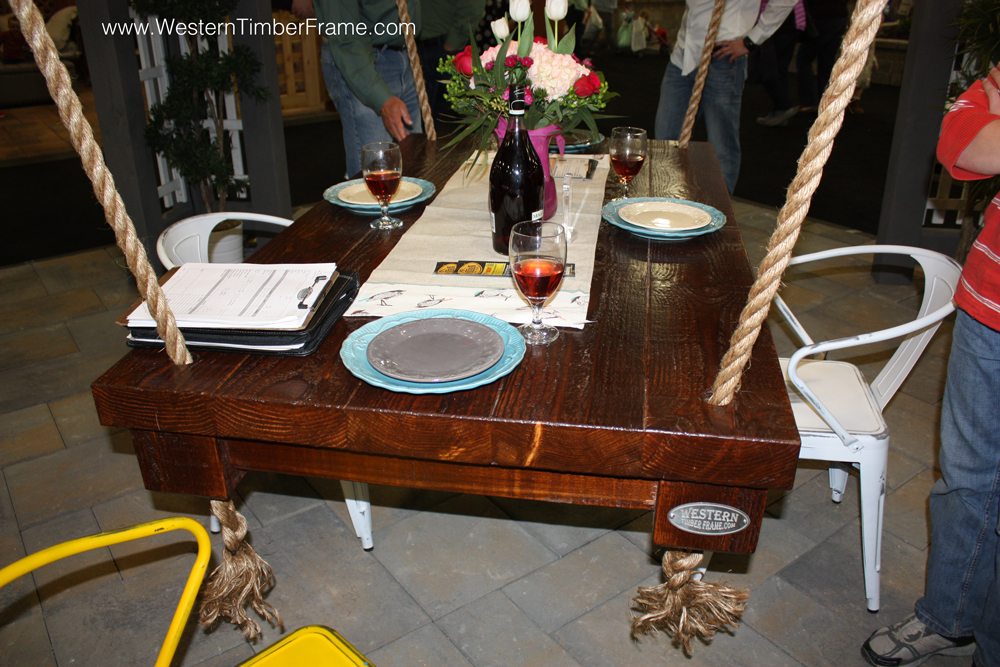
527,61
529,97
586,86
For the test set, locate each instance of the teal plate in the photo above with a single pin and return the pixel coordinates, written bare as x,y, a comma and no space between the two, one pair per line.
354,352
332,195
610,213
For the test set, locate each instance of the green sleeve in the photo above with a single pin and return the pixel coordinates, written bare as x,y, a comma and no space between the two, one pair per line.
354,54
465,17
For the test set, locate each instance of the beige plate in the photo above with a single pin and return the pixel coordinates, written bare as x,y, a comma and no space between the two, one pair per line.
359,194
664,216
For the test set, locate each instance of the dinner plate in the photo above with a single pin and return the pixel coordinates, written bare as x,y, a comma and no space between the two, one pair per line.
358,193
332,195
611,213
665,215
354,352
577,141
439,349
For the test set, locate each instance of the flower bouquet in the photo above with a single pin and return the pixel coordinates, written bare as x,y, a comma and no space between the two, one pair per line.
562,91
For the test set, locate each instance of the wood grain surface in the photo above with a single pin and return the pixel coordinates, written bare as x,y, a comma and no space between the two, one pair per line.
613,414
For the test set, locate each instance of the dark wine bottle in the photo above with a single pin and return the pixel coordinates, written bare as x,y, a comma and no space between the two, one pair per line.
517,182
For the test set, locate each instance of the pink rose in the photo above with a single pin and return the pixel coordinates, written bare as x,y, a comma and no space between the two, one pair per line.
586,86
463,61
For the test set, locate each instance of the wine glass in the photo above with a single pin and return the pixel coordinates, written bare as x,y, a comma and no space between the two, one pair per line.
382,166
537,260
628,152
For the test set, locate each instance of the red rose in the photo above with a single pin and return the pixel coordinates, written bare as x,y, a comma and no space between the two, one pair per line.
463,61
541,40
510,61
586,86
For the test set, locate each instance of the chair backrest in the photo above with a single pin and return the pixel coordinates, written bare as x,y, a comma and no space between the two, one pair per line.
80,545
187,240
941,276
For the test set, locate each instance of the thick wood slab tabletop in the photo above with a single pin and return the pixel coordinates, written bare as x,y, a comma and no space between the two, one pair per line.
622,400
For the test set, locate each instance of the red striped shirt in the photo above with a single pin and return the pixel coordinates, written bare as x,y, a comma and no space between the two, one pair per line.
979,290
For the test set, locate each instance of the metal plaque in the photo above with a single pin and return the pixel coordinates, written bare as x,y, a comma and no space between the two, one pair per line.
708,518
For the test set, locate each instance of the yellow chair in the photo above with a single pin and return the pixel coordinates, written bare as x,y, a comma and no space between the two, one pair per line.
311,645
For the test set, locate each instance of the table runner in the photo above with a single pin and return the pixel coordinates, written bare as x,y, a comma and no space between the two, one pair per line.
455,230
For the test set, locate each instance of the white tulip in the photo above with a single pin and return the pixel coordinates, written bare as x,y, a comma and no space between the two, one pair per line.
500,28
520,10
556,10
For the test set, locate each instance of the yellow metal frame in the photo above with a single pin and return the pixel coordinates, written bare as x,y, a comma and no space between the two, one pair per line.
83,544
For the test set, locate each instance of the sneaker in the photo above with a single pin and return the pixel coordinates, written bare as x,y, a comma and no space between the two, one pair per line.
910,642
776,118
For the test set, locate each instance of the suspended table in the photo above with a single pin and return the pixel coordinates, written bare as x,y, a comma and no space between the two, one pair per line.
611,415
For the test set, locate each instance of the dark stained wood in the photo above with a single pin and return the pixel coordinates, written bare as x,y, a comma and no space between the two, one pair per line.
671,495
600,417
185,464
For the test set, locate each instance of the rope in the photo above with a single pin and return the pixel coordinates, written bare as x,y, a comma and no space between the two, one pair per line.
418,72
836,97
82,136
686,607
699,81
242,578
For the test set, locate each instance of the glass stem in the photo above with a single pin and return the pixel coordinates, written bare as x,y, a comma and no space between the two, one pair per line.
536,315
385,209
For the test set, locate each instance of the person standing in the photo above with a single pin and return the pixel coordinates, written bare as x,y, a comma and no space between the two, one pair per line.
606,10
744,27
773,59
960,611
366,71
828,21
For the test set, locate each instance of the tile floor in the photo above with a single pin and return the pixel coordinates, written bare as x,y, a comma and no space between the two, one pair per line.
35,133
453,579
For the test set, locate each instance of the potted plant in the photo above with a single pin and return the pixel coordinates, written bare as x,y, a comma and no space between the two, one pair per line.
186,128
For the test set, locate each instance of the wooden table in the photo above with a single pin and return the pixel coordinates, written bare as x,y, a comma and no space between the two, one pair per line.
611,415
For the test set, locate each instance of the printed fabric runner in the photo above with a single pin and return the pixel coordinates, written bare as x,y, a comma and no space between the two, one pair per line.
446,259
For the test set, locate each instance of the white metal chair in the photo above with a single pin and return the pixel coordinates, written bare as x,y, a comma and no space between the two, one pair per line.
839,414
187,240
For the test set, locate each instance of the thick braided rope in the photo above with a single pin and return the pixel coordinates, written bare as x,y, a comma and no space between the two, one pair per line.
853,53
82,136
699,80
242,578
418,72
684,607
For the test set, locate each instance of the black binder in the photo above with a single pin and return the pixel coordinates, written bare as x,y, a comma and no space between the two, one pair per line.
298,343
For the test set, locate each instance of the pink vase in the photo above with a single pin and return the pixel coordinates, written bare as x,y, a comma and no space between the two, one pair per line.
540,138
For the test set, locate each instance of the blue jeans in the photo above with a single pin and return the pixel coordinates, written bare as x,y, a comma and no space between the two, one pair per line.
720,107
362,124
962,593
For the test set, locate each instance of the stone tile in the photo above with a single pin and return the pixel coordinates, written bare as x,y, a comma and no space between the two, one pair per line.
20,283
914,428
234,656
70,580
97,333
553,595
426,647
602,637
48,310
779,546
810,512
460,551
53,379
832,575
79,269
78,477
926,380
118,295
902,468
27,434
32,345
389,503
76,418
907,513
639,532
562,527
324,578
805,628
493,632
274,497
155,558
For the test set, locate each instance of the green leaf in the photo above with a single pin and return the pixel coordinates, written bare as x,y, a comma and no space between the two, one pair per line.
527,37
567,43
549,34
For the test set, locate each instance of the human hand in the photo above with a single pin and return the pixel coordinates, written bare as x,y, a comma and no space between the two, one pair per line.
303,8
396,118
730,49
